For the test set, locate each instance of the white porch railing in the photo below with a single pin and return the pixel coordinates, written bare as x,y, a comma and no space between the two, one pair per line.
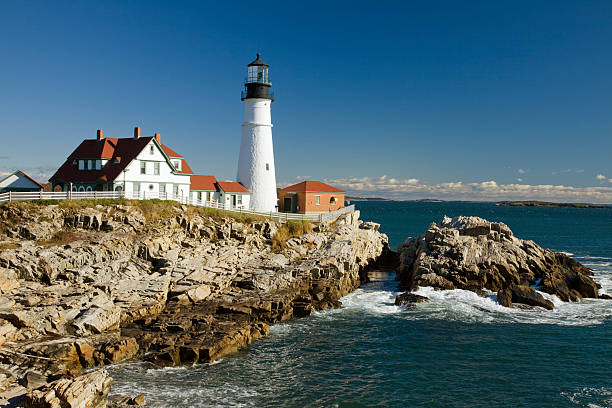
144,195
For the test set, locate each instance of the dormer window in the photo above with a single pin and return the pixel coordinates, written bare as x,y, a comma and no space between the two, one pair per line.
177,164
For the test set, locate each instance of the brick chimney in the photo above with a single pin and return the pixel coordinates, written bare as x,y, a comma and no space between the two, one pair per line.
136,132
158,137
100,136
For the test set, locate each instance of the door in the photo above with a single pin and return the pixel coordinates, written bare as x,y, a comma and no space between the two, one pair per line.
287,204
233,200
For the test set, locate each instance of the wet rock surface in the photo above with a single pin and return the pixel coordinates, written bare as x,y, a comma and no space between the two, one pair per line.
94,286
472,253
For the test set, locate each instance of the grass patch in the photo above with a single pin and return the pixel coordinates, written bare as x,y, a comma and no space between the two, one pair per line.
287,231
62,237
9,245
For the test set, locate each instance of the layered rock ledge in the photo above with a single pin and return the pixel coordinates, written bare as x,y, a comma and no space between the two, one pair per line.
474,254
85,286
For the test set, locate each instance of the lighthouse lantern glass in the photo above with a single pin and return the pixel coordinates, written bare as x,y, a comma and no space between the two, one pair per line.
258,74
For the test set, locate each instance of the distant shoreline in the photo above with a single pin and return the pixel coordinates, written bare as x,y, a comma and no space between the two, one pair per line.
548,204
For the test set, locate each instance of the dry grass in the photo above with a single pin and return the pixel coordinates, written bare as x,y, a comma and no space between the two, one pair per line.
9,245
62,237
289,230
153,210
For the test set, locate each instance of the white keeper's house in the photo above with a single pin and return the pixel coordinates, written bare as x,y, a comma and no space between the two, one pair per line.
141,167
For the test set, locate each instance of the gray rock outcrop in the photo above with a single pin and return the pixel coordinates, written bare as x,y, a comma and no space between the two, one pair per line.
472,253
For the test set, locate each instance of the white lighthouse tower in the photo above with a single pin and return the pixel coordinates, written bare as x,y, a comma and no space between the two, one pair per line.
256,160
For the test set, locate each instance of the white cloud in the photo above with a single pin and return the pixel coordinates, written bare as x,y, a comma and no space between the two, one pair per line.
521,171
412,188
520,180
600,177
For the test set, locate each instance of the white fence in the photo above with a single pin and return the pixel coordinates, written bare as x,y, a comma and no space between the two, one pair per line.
100,195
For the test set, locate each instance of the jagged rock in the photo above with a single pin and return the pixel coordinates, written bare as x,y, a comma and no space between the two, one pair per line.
472,253
369,225
528,296
504,297
86,391
409,298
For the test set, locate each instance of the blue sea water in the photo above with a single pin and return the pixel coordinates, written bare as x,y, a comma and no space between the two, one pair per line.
458,350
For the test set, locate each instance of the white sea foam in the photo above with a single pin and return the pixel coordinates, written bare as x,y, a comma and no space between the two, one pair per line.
466,306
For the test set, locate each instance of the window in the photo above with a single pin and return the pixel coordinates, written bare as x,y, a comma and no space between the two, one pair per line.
136,187
240,199
81,164
332,200
156,168
199,196
74,188
98,164
91,165
81,188
176,164
208,196
119,188
267,166
89,188
151,150
143,167
162,189
318,200
176,190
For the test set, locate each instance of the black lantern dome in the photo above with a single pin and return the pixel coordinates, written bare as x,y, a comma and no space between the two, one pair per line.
257,83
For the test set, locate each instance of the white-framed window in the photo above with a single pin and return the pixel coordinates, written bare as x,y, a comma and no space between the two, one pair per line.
162,188
136,187
151,149
156,168
176,164
81,164
91,165
267,166
317,200
143,167
199,196
239,199
74,188
176,190
98,164
119,188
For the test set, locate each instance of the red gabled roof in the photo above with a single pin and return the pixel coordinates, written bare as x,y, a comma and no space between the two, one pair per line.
201,182
170,152
185,169
119,152
313,186
232,187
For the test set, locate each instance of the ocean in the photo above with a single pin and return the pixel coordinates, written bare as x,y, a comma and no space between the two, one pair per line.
458,350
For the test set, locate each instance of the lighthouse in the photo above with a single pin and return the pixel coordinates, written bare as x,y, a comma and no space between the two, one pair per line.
256,160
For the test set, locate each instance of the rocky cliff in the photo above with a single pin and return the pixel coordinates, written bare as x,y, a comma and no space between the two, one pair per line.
84,286
474,254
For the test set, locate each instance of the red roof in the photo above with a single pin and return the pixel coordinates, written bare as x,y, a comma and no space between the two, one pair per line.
232,187
201,182
312,186
185,169
119,151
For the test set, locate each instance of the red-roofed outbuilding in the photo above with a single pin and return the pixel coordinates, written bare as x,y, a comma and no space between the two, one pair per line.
310,196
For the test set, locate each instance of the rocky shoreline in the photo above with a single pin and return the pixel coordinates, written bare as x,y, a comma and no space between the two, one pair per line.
474,254
84,287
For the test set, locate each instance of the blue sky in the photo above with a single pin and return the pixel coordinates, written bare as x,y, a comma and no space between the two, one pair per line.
468,100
